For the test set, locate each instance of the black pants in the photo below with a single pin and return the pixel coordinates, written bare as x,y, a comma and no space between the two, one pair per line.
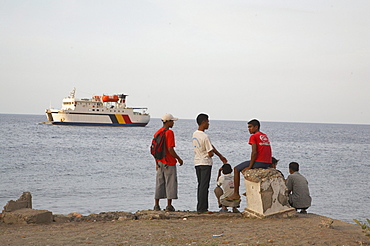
204,176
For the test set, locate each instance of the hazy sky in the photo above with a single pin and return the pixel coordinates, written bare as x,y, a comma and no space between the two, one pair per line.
288,61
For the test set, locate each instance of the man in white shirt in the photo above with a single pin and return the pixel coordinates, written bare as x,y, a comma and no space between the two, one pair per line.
203,151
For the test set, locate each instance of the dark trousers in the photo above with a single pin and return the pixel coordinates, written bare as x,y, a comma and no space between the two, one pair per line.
204,176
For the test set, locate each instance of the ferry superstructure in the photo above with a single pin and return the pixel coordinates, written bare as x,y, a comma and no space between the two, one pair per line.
105,110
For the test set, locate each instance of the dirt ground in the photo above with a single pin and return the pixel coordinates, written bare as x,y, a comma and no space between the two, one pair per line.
188,228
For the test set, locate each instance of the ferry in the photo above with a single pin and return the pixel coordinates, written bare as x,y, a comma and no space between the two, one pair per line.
105,110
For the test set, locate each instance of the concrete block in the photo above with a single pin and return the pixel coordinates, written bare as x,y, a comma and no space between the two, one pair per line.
28,216
266,193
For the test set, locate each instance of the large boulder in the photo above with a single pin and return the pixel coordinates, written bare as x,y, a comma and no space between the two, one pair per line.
21,212
24,201
27,216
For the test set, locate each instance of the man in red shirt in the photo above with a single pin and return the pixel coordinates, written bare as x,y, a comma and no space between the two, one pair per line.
261,155
166,178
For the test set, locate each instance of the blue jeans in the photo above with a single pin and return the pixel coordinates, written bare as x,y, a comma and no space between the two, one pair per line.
245,164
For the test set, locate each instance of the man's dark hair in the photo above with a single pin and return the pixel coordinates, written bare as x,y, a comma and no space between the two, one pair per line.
294,166
226,168
201,118
255,122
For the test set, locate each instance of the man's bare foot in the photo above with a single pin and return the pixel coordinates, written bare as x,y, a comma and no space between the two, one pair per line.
233,197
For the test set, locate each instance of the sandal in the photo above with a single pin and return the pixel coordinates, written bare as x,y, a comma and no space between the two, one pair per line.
170,209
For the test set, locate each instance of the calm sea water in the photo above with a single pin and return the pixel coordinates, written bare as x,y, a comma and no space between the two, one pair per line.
97,169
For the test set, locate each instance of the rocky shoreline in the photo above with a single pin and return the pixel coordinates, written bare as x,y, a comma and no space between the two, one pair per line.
150,227
20,224
139,215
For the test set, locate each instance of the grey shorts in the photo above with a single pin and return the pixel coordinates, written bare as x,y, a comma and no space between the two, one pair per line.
227,203
166,182
224,202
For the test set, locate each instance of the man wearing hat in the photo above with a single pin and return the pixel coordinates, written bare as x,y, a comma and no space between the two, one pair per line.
166,178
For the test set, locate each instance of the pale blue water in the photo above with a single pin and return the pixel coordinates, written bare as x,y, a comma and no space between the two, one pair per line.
97,169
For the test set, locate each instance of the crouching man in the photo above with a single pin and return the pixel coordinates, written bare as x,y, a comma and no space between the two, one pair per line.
225,188
299,194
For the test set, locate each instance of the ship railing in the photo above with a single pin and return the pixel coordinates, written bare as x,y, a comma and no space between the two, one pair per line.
140,110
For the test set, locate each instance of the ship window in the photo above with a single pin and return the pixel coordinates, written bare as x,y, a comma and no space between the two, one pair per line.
97,109
93,109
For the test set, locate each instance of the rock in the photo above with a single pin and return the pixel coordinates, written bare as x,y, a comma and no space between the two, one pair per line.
123,218
151,215
24,201
107,216
28,216
21,212
60,218
74,214
259,174
326,223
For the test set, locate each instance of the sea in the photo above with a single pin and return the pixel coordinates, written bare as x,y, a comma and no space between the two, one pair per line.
100,169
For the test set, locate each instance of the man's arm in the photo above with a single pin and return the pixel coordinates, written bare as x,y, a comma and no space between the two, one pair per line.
253,156
172,151
222,158
289,184
219,173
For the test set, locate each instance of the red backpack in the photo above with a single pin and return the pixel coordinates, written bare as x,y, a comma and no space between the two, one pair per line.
158,147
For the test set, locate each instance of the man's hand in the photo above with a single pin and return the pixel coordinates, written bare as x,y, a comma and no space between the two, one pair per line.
223,159
211,153
247,168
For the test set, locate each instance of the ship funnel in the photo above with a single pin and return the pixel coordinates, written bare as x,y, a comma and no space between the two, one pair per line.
122,98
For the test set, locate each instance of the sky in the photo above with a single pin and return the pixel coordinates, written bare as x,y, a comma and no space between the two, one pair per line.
280,61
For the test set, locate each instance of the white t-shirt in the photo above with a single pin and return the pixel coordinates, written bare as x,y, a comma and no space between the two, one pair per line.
226,181
202,145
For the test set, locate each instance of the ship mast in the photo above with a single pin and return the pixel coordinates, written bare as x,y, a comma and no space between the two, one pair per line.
72,93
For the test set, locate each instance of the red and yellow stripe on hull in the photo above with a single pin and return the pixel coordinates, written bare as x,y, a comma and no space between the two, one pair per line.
122,119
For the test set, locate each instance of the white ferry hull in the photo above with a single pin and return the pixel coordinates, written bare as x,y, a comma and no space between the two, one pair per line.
96,119
97,111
